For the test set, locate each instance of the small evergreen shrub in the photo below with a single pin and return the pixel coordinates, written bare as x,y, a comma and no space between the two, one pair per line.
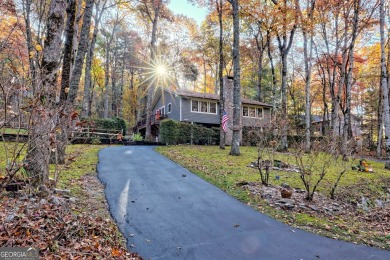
174,132
108,124
169,131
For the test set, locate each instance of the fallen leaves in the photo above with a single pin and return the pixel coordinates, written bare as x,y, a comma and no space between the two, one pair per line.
57,230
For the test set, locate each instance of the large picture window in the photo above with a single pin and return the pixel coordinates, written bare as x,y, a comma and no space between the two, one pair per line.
201,106
255,112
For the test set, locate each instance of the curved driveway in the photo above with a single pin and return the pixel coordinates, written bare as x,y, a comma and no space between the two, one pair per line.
166,212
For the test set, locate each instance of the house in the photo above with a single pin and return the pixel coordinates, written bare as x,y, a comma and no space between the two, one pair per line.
317,124
203,108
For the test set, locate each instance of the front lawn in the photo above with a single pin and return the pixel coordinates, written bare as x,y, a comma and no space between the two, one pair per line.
351,223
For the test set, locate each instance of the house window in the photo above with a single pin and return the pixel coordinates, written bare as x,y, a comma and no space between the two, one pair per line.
259,112
203,107
169,108
213,108
245,111
195,105
162,110
252,112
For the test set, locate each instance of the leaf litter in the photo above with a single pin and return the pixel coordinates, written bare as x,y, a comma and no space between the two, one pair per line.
62,227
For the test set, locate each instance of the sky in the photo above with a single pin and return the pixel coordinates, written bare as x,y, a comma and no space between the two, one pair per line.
183,7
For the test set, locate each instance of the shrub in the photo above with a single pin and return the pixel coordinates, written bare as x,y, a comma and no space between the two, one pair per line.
108,124
174,132
137,137
169,131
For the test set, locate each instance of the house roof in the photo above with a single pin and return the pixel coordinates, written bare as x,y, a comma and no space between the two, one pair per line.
187,93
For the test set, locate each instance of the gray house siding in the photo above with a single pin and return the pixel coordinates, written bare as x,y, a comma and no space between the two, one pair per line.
175,103
164,100
197,117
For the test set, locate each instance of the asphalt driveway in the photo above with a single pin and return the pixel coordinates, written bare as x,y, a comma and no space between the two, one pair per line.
166,212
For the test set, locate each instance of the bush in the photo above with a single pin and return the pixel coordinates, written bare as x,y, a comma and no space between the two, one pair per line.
108,124
169,131
137,137
174,132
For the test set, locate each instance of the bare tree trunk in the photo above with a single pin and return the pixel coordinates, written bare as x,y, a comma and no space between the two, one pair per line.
237,128
30,48
156,6
81,51
384,83
42,132
106,79
308,59
261,45
85,112
59,155
274,82
114,90
347,114
220,76
284,44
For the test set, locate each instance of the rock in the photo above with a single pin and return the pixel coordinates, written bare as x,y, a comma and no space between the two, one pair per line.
73,200
379,203
57,200
62,192
286,186
43,202
266,196
364,204
313,207
298,190
303,206
286,201
10,217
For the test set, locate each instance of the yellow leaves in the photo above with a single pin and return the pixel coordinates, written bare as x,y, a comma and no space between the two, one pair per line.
38,48
32,54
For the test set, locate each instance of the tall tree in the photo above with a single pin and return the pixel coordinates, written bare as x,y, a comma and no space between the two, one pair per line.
307,32
383,82
153,14
81,51
42,128
237,129
285,35
100,8
219,6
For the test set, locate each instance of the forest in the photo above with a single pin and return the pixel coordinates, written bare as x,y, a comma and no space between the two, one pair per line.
322,65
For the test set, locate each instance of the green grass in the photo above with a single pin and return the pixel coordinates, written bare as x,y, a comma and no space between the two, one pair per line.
84,162
224,171
13,131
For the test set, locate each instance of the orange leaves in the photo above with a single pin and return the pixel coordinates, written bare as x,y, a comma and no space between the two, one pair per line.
57,231
116,253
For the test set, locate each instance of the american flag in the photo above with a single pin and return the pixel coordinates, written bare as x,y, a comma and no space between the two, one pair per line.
225,119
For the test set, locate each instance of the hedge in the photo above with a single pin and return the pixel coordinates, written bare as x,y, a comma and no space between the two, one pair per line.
174,132
108,124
